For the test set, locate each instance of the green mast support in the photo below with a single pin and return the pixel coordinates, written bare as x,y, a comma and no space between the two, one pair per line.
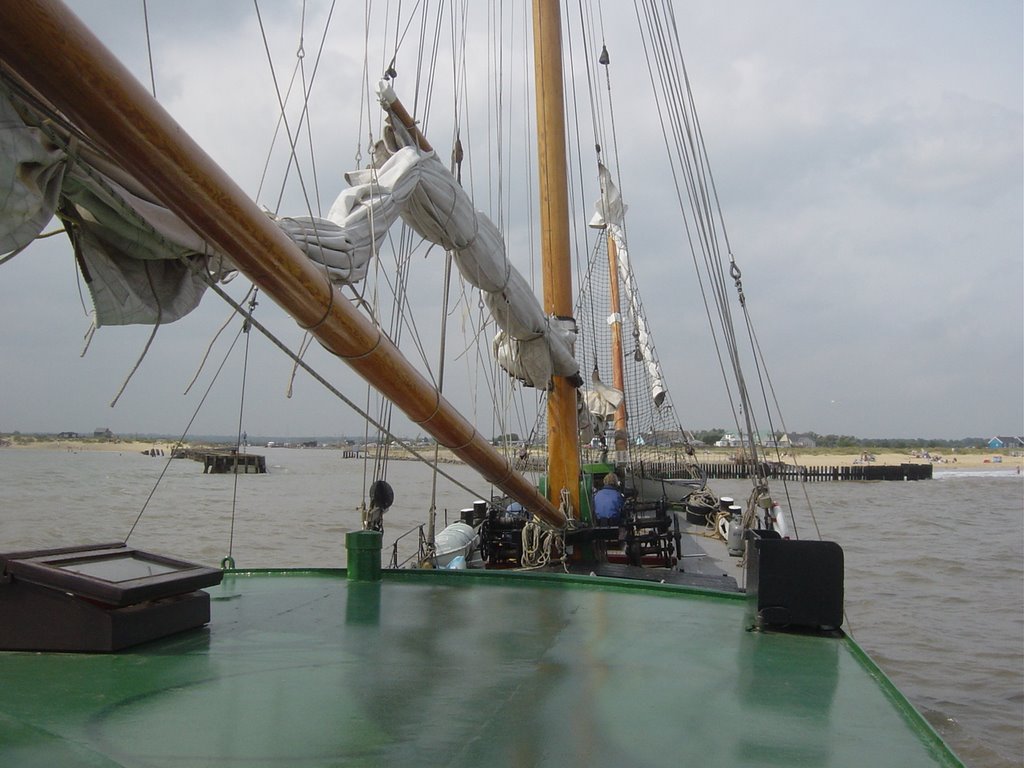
364,549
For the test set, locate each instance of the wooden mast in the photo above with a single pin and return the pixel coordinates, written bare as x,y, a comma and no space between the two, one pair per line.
46,45
563,440
618,374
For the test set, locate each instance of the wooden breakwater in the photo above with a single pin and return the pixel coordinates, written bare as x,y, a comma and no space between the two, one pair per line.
775,471
224,462
735,470
234,463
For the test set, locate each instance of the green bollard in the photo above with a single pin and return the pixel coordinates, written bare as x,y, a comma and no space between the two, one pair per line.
364,549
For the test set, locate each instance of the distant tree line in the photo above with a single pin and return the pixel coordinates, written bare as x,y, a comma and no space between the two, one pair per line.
849,441
920,442
708,436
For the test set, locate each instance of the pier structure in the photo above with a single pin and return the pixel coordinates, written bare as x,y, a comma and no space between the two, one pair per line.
224,461
231,462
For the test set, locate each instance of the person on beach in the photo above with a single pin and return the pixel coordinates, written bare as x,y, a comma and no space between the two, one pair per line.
609,501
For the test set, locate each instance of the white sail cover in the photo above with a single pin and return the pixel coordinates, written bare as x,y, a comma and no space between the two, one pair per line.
609,208
134,253
602,400
31,172
415,185
608,215
644,343
142,264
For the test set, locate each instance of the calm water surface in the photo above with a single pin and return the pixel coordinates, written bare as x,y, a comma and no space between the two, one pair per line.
934,569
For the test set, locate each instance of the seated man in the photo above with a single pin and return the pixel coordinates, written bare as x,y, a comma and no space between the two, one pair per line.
608,502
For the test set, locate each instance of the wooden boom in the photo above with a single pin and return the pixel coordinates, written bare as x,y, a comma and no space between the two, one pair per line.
50,48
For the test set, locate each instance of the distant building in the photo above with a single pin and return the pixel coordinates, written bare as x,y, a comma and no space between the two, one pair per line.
1006,441
68,434
801,441
103,433
730,440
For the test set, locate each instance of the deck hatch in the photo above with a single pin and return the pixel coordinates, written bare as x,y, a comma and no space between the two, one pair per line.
98,597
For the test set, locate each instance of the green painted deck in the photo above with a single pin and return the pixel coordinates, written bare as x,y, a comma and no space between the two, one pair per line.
302,668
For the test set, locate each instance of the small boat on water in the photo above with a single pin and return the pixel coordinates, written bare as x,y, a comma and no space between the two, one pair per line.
578,644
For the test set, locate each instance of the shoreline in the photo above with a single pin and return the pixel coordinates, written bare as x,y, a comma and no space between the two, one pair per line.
108,446
972,459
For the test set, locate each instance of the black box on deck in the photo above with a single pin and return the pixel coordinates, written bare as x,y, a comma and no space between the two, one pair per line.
797,584
98,598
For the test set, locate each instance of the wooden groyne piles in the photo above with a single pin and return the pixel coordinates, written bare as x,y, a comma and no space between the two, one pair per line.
908,471
234,463
224,462
774,471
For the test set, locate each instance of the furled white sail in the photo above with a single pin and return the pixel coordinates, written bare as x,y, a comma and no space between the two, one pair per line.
608,215
136,256
601,402
31,171
131,252
409,182
142,264
644,344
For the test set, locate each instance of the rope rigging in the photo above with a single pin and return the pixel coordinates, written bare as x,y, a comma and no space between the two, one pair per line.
691,171
404,252
694,182
180,441
706,232
646,422
246,326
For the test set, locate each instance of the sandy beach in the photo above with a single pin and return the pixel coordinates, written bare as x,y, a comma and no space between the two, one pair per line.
946,460
74,445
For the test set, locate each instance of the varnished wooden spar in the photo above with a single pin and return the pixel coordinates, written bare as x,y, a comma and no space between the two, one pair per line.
563,434
44,43
618,372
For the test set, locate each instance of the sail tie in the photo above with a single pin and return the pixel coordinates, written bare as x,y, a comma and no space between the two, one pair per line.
149,48
307,339
89,333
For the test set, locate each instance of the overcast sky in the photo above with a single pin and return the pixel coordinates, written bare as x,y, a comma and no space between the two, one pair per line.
868,157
